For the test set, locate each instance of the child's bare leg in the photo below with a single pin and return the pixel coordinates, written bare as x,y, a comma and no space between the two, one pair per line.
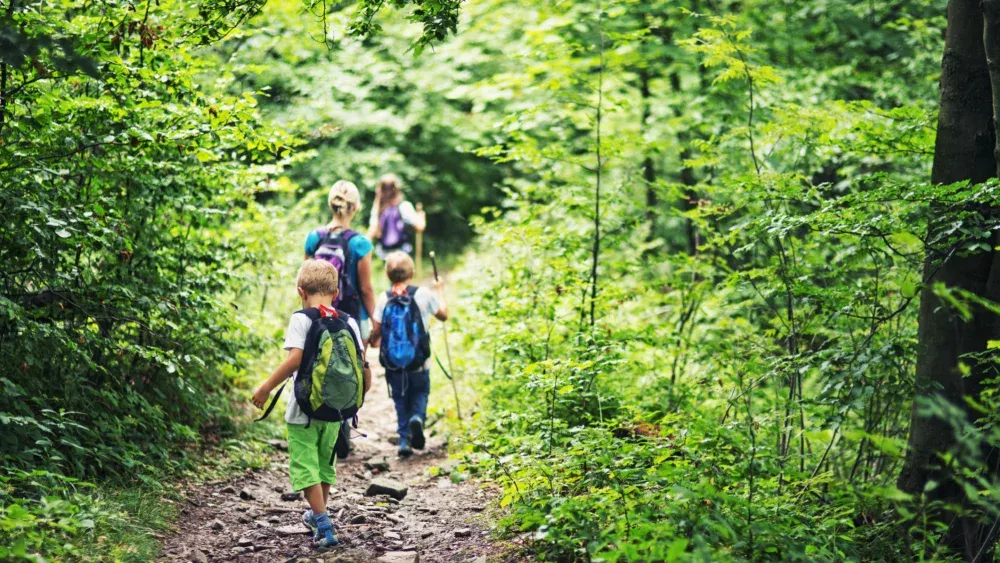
326,496
316,496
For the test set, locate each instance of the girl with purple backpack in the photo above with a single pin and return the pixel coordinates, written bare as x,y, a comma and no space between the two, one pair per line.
349,251
392,218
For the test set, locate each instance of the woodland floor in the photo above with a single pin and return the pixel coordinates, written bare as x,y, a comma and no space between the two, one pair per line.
244,519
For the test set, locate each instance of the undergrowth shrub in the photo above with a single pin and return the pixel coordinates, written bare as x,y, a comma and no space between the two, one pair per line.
726,376
127,169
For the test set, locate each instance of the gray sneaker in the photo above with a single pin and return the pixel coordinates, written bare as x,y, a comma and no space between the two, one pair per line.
310,522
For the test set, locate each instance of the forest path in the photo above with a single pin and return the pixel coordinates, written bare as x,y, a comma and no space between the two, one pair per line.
245,519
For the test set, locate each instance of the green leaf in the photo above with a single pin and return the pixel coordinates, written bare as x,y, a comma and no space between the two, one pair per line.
909,242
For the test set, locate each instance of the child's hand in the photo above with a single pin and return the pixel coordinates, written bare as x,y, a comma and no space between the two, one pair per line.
439,284
421,222
260,396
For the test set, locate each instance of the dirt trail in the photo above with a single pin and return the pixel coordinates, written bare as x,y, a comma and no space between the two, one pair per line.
245,519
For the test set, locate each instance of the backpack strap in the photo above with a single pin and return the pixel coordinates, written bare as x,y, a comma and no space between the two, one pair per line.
418,318
411,292
274,401
313,314
325,233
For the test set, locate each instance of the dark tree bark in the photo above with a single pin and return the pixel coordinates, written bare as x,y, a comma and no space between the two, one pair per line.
690,196
648,168
991,43
963,151
5,70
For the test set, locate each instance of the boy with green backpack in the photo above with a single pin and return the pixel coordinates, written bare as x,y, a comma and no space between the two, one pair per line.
330,378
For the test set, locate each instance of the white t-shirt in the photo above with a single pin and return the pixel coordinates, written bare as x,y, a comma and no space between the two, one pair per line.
427,302
295,337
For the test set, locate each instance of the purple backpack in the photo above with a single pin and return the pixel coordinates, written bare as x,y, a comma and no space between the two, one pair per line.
334,247
393,228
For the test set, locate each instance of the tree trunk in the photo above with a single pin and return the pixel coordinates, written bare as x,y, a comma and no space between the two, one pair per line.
648,168
963,151
690,196
5,70
991,42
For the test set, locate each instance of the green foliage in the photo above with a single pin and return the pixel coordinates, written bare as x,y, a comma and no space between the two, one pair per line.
439,18
64,519
118,191
744,390
127,158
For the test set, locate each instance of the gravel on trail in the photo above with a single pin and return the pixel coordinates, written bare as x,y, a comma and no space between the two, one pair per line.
254,517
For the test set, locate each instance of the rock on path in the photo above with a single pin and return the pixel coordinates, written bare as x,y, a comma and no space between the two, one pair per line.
387,509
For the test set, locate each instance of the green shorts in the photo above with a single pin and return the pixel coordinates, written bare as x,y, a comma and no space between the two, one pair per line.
309,453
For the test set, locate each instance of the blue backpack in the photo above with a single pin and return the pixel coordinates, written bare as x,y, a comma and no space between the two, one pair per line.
406,345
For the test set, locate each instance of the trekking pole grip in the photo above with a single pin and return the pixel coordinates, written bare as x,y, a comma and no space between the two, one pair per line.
434,265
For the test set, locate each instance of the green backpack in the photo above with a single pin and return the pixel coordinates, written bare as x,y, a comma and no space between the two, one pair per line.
330,381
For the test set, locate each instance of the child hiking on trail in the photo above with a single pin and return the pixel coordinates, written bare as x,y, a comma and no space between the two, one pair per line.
330,377
401,328
392,218
349,251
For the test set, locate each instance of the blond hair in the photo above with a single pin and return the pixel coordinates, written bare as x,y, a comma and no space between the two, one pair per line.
399,267
344,198
317,277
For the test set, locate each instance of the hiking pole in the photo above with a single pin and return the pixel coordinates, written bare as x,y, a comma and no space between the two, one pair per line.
420,246
447,350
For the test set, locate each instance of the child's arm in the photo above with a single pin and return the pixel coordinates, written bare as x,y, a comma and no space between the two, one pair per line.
442,312
375,338
365,284
367,371
373,225
284,371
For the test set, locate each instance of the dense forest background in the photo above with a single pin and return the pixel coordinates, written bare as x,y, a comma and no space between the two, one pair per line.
706,253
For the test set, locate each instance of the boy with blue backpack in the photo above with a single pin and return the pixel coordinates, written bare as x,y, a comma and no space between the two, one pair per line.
330,378
400,329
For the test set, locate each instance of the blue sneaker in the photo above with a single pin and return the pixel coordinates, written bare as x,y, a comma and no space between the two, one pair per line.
417,432
326,540
310,521
404,447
